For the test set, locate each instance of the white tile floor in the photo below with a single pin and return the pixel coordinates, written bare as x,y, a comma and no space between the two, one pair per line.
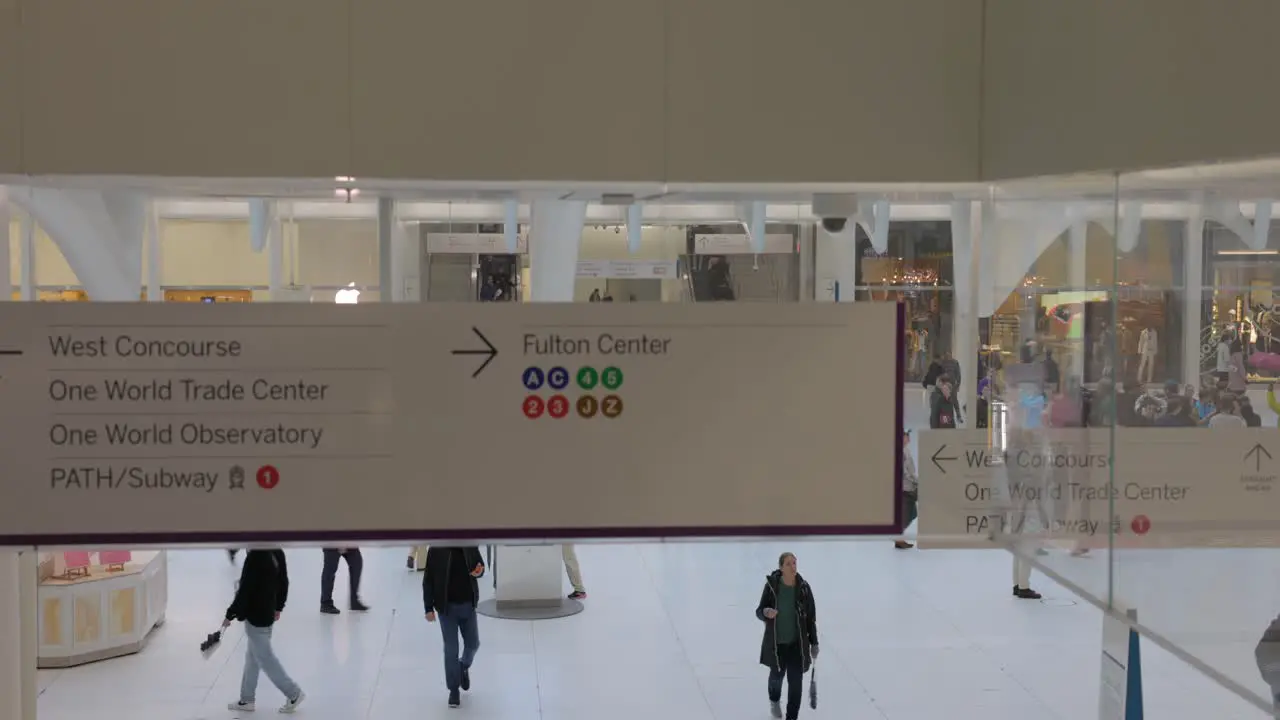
669,632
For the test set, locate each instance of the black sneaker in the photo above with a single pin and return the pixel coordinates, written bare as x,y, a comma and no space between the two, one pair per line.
1026,593
466,678
329,609
578,595
357,606
455,699
409,563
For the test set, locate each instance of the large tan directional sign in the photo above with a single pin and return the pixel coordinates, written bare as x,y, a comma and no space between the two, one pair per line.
1144,487
155,423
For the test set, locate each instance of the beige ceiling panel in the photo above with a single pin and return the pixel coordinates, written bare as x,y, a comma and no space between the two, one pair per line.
10,89
157,87
1104,85
822,91
508,89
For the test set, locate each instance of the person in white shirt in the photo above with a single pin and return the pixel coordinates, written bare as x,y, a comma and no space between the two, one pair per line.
1222,367
1228,414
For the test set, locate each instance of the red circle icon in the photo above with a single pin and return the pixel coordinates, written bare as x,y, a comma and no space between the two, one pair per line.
1141,524
558,406
268,477
534,407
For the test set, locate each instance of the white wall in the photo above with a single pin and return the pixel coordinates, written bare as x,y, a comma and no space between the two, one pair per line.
656,243
318,253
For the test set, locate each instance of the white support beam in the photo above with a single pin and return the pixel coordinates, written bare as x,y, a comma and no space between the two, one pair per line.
6,246
27,259
155,255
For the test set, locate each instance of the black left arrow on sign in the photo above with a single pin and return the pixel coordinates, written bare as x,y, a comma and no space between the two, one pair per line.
490,352
936,457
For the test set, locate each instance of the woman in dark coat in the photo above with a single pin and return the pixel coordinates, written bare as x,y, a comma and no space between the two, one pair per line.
790,634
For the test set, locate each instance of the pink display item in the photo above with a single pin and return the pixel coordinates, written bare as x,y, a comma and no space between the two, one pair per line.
75,564
1265,361
114,558
76,559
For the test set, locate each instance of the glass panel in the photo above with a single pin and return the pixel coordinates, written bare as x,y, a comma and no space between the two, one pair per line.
1195,558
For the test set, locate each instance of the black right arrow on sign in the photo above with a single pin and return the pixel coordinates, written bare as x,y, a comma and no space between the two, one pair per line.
488,351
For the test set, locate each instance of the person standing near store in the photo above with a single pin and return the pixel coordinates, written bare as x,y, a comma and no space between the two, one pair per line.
259,600
951,368
355,567
910,490
450,594
1222,366
942,405
790,640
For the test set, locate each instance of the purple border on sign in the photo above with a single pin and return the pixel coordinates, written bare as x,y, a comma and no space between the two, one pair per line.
515,535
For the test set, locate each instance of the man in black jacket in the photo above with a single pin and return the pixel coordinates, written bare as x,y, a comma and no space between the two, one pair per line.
450,592
259,600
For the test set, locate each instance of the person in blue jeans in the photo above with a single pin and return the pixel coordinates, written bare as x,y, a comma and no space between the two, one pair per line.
259,600
449,594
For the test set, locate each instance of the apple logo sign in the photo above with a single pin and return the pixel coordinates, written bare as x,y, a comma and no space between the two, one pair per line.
348,295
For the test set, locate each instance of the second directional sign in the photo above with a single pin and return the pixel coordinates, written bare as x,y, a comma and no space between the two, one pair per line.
171,423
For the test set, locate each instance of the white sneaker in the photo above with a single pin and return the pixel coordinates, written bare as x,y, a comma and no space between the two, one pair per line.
292,706
775,709
241,707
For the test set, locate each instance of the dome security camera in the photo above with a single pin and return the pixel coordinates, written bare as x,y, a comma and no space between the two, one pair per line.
834,225
835,209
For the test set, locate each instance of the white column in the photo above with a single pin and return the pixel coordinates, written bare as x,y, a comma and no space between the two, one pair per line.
532,576
27,259
554,238
17,635
155,255
1077,271
1192,297
387,283
966,244
6,246
274,239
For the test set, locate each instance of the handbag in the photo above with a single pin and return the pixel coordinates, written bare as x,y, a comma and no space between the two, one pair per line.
813,685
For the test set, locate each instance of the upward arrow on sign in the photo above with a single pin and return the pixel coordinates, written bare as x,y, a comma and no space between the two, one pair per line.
1256,452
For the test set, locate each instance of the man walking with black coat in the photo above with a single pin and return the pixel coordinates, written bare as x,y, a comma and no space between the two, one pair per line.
259,600
450,593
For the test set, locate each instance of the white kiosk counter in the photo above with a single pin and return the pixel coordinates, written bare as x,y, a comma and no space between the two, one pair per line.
102,614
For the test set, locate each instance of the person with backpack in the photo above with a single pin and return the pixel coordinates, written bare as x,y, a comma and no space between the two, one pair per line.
790,641
942,405
260,598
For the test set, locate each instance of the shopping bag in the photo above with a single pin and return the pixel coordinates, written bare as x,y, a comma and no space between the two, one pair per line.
813,687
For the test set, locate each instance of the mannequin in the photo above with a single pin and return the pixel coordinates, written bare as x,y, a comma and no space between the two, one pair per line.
1148,346
922,350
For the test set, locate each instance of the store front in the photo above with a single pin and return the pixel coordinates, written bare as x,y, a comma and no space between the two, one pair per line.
1243,284
915,270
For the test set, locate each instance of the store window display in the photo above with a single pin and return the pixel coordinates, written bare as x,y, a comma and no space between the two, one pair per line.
1244,284
915,270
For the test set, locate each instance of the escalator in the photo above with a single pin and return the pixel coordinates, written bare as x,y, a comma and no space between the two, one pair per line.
710,278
